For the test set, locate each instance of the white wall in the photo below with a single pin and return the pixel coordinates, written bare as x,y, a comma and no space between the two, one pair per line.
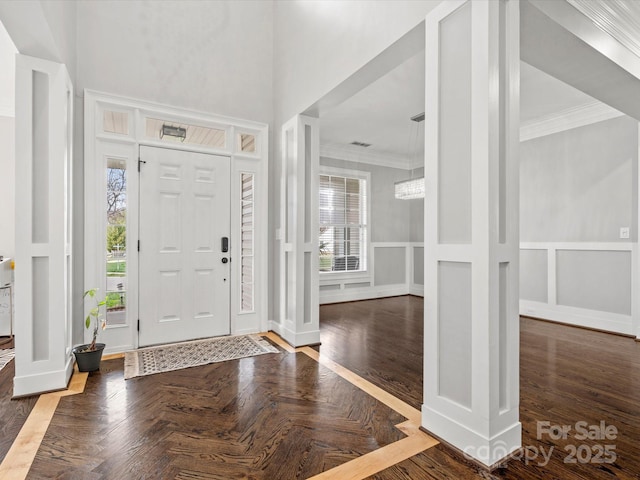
7,187
215,57
43,29
580,185
319,44
577,189
7,144
7,74
62,19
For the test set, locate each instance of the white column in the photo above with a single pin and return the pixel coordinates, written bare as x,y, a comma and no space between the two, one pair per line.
43,226
299,322
471,390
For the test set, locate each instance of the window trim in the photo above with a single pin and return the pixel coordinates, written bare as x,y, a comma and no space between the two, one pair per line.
360,175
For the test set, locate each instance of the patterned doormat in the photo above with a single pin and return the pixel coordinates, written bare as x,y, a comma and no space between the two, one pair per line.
175,356
6,355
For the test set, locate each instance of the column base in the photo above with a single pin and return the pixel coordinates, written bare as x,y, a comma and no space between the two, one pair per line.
294,339
476,447
42,382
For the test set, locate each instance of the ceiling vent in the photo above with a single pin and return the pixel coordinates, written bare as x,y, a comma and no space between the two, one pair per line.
361,144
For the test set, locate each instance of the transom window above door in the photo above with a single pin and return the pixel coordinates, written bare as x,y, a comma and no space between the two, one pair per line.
185,133
343,215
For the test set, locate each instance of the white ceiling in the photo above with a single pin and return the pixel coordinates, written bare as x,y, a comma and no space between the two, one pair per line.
7,73
542,95
380,114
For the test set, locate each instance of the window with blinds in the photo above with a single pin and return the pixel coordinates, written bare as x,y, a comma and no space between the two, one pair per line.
343,223
246,247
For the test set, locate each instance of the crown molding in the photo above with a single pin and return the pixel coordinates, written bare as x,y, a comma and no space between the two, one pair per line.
567,119
353,154
614,17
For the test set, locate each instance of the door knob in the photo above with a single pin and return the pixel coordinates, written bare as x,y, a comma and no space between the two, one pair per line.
225,259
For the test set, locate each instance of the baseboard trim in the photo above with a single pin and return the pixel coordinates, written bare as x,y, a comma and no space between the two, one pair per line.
416,290
28,385
469,443
296,340
578,317
367,293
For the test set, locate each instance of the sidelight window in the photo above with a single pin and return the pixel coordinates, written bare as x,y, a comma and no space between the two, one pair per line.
116,241
247,231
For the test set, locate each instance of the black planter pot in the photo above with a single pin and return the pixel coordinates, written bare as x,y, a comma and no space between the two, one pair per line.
88,361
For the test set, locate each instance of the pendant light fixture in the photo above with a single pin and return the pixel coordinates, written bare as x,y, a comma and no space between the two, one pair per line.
414,187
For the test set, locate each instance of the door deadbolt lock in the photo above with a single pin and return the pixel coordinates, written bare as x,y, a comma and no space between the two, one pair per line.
225,259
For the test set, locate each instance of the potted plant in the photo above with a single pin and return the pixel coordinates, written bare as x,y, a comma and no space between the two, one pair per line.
88,356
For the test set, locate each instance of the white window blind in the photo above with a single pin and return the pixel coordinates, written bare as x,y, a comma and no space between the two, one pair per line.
343,223
247,245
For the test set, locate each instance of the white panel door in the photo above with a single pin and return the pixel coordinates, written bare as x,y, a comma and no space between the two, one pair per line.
184,272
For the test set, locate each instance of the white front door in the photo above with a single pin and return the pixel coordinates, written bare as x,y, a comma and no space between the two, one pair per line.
184,270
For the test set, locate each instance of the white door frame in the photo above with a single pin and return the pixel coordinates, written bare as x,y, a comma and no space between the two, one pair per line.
100,145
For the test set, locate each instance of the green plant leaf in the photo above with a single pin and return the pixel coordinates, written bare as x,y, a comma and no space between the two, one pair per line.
87,322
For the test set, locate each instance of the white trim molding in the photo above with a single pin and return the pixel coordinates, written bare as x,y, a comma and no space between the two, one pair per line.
358,154
567,119
614,17
575,315
100,144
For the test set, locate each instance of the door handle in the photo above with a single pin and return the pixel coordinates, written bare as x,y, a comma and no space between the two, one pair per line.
225,244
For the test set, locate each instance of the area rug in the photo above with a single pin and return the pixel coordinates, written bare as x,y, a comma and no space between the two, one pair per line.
6,355
166,358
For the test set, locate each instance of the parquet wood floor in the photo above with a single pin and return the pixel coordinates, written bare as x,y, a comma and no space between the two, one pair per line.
287,416
269,417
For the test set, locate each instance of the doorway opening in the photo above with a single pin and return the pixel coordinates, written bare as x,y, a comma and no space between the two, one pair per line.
372,242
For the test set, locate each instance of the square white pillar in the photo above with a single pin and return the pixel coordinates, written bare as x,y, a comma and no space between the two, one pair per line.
299,322
471,382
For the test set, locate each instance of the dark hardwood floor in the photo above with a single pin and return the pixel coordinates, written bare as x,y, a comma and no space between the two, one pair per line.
284,416
567,375
380,340
13,413
276,416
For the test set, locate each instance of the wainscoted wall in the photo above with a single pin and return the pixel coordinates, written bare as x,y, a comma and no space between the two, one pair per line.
395,268
578,188
586,284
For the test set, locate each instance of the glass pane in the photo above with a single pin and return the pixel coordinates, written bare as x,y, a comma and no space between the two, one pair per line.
342,216
246,243
116,241
115,122
247,142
